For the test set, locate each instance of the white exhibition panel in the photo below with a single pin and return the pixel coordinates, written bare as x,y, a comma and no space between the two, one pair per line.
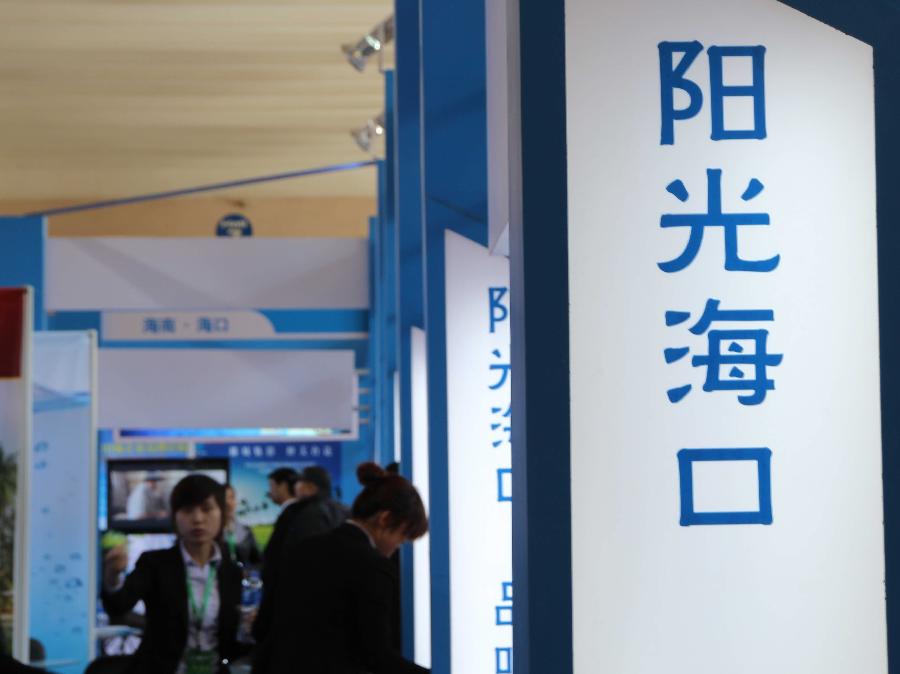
226,388
420,476
666,576
208,273
62,531
479,457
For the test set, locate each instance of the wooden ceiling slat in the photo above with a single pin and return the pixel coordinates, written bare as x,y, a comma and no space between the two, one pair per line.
107,98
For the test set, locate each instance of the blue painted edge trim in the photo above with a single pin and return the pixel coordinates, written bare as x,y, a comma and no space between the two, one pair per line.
438,482
539,274
408,216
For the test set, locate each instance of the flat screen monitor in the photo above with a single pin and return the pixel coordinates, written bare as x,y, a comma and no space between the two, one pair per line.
138,491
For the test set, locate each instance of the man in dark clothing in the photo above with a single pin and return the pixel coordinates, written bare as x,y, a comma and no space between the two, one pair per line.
313,513
313,485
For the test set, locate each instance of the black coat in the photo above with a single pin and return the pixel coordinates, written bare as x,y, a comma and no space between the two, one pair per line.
335,610
300,520
159,579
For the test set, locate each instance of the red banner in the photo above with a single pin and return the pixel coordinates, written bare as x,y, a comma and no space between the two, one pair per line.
12,324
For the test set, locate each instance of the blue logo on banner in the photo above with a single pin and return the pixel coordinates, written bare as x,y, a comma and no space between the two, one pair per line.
234,224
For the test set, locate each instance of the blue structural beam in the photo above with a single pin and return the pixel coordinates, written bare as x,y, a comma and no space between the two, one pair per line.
454,173
539,279
22,258
383,293
408,257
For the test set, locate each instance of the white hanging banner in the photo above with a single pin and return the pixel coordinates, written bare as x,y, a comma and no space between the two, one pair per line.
15,440
479,451
726,433
63,531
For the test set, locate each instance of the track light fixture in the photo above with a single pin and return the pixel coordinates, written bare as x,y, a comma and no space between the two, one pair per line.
365,134
359,53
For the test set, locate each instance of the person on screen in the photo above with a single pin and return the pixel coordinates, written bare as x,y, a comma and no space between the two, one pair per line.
239,540
341,621
191,591
147,501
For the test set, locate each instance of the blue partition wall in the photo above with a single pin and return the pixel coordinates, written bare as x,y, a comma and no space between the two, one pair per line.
22,258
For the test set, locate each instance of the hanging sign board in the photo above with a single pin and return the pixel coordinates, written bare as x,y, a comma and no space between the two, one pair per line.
479,464
726,433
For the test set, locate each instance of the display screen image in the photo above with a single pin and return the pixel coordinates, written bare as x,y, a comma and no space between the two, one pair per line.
138,491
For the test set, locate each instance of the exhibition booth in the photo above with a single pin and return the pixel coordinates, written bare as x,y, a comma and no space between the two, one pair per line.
549,328
156,363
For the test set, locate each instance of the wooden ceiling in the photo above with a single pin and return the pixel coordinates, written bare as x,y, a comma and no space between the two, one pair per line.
109,98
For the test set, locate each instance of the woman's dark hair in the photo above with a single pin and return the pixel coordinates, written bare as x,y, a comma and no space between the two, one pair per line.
394,494
192,491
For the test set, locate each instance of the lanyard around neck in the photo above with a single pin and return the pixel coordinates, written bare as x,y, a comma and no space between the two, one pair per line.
198,613
232,546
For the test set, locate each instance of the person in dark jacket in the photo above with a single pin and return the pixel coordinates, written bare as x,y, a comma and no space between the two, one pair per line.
335,606
191,590
312,513
313,486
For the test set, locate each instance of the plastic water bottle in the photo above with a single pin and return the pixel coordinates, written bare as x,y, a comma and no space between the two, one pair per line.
251,595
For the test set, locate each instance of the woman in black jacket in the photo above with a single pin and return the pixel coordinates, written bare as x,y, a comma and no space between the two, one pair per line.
191,590
335,614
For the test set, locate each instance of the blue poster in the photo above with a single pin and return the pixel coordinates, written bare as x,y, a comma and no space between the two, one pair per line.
62,536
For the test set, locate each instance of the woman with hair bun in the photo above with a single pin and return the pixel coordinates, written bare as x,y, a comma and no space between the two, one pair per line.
335,615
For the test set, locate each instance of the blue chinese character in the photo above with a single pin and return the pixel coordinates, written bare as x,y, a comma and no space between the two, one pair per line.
504,485
503,369
220,325
501,425
499,311
735,355
151,325
504,660
168,325
714,217
204,324
719,91
672,77
503,614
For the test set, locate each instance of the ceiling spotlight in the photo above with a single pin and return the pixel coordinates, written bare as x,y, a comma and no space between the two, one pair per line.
364,135
359,53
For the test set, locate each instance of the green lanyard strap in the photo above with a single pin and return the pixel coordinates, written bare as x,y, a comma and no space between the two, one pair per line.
232,546
198,613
